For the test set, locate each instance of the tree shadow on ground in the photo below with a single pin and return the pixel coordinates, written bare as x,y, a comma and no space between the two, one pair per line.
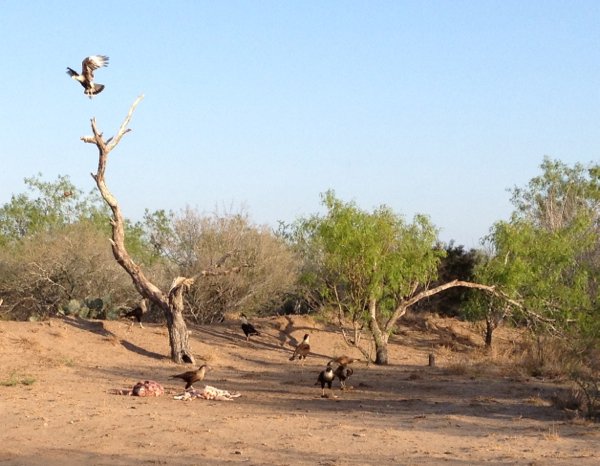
141,351
93,326
259,342
97,327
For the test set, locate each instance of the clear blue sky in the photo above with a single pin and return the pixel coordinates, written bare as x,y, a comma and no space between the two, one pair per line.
433,107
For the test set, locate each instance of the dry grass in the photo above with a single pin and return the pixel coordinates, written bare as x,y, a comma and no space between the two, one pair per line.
537,400
25,343
552,434
16,379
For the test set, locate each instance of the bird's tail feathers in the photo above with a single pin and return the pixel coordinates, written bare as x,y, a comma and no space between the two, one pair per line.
98,88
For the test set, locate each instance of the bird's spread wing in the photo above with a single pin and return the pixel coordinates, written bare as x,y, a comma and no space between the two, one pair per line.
91,63
71,72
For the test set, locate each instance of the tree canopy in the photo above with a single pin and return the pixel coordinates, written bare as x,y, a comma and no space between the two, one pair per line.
367,264
547,255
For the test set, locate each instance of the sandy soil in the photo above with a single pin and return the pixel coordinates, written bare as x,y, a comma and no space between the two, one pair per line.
57,405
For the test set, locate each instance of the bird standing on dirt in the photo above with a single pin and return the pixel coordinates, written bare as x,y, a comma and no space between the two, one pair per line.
302,349
191,377
325,378
343,373
137,313
247,327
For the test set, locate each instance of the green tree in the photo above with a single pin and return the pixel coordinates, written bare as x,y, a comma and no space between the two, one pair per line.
53,250
370,266
458,264
546,256
47,205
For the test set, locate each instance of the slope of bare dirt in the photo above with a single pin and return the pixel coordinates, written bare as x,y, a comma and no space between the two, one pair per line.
57,404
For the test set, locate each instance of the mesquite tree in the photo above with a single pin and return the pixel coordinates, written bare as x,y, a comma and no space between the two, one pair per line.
170,302
548,254
372,267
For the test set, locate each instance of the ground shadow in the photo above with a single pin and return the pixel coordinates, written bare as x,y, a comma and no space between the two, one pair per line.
93,326
141,351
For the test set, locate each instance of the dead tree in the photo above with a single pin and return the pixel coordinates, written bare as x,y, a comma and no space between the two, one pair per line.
171,303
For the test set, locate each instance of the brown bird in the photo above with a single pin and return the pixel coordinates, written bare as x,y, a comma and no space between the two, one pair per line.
302,349
343,373
325,378
191,377
86,78
343,360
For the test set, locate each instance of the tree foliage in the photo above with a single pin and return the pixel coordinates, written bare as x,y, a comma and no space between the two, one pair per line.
367,264
54,251
48,205
195,242
458,264
546,255
45,271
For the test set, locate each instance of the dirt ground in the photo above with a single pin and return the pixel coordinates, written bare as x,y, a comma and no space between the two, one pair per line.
57,401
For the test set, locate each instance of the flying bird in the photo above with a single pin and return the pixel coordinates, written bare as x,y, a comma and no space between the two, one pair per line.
192,377
86,78
325,378
302,349
343,373
247,327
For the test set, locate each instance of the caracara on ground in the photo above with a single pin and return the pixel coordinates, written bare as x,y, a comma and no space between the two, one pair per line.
302,349
86,78
247,327
192,377
343,373
137,313
325,378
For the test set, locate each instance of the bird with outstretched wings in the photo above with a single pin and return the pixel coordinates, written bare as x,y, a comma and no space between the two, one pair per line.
86,78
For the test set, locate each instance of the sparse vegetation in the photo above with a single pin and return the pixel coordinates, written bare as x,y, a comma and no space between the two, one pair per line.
192,243
547,258
55,260
16,379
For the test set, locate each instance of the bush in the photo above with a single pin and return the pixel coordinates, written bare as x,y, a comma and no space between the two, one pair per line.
267,267
62,271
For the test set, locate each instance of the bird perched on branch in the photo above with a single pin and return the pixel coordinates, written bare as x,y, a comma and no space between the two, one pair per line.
325,378
192,377
247,327
86,78
302,349
343,373
137,313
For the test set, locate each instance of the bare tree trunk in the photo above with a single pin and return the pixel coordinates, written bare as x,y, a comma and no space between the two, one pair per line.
178,333
379,338
171,303
356,327
489,331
